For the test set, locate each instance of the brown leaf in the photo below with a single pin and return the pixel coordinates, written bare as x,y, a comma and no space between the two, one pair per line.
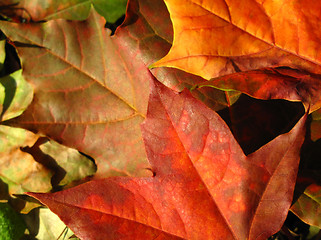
89,92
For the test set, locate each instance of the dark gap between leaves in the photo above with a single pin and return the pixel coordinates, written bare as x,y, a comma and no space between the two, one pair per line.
115,25
255,122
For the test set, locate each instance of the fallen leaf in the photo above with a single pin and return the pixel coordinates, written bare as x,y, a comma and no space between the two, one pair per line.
154,34
66,9
12,225
18,169
308,206
50,226
69,164
2,53
277,83
218,38
32,163
89,92
307,197
107,73
204,187
15,95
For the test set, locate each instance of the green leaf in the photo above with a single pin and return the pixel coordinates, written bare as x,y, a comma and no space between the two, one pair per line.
308,206
17,168
15,95
2,53
72,165
111,10
11,224
51,227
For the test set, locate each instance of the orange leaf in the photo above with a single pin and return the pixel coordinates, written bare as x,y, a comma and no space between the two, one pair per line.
214,38
204,186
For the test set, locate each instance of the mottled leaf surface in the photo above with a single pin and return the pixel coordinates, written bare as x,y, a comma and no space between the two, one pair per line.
91,93
38,10
277,83
308,206
70,164
18,169
204,187
218,38
153,35
15,95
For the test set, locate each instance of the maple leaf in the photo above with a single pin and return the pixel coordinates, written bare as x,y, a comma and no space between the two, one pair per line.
99,108
154,34
204,186
218,38
88,92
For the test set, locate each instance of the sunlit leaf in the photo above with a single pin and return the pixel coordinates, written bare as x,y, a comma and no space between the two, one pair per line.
218,38
204,187
89,92
51,227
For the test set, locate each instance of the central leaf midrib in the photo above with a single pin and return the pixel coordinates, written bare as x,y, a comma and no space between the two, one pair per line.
199,175
83,72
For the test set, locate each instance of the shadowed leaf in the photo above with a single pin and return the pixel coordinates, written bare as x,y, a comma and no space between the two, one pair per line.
315,126
17,168
308,206
2,52
15,95
204,186
70,164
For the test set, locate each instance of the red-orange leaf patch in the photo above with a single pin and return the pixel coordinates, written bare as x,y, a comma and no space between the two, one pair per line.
204,186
